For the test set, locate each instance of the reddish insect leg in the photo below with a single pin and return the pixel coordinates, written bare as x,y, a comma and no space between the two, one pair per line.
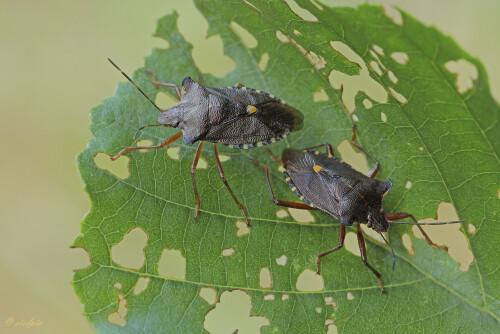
161,84
329,149
223,178
288,204
193,168
362,248
133,148
401,215
340,245
374,170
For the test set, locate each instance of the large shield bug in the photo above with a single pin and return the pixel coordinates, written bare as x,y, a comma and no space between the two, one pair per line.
324,182
239,117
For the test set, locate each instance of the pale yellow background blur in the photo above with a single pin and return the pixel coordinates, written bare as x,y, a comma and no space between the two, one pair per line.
53,69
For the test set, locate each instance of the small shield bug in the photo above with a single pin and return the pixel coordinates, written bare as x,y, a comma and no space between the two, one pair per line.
324,182
238,117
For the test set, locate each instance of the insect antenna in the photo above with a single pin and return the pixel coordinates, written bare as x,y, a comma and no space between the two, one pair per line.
147,126
392,251
133,83
436,223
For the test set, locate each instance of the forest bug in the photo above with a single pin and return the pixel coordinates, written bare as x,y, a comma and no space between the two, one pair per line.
324,182
238,117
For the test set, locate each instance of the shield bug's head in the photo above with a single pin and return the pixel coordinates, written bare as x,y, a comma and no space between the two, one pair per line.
376,216
190,113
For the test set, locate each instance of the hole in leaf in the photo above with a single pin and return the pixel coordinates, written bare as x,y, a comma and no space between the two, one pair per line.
471,228
119,317
465,73
397,96
356,159
117,286
309,281
224,157
392,77
129,252
393,14
141,285
317,61
351,85
246,38
349,295
282,213
400,57
332,329
241,228
174,152
351,243
165,101
320,95
383,117
378,49
304,14
318,309
373,235
172,264
302,216
268,297
227,252
263,61
81,258
375,55
406,239
281,261
329,301
232,314
118,168
449,235
296,32
144,142
408,185
367,103
284,296
202,163
209,295
374,66
265,280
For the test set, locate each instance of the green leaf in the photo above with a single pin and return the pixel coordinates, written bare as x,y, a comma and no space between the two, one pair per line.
444,141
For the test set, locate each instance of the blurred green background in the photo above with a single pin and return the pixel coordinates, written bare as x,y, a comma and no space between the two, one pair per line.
53,69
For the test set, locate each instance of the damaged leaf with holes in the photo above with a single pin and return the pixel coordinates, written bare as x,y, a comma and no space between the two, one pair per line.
423,109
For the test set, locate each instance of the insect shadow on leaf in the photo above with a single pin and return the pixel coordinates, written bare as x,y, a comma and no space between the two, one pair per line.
238,117
324,182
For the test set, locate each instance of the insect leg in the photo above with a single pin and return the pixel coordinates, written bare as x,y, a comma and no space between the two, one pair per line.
362,248
161,84
223,178
272,155
374,170
339,246
193,168
279,202
329,149
133,148
401,215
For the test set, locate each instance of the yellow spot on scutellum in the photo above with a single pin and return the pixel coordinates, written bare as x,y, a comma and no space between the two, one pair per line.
251,109
308,280
465,72
264,60
406,239
284,296
174,152
247,39
241,228
233,314
393,14
471,228
141,285
317,168
268,297
367,103
400,57
397,96
302,216
172,264
281,213
383,116
449,235
209,295
351,243
118,168
119,317
129,252
227,252
320,95
330,302
281,261
265,280
304,14
117,286
356,159
352,84
349,295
